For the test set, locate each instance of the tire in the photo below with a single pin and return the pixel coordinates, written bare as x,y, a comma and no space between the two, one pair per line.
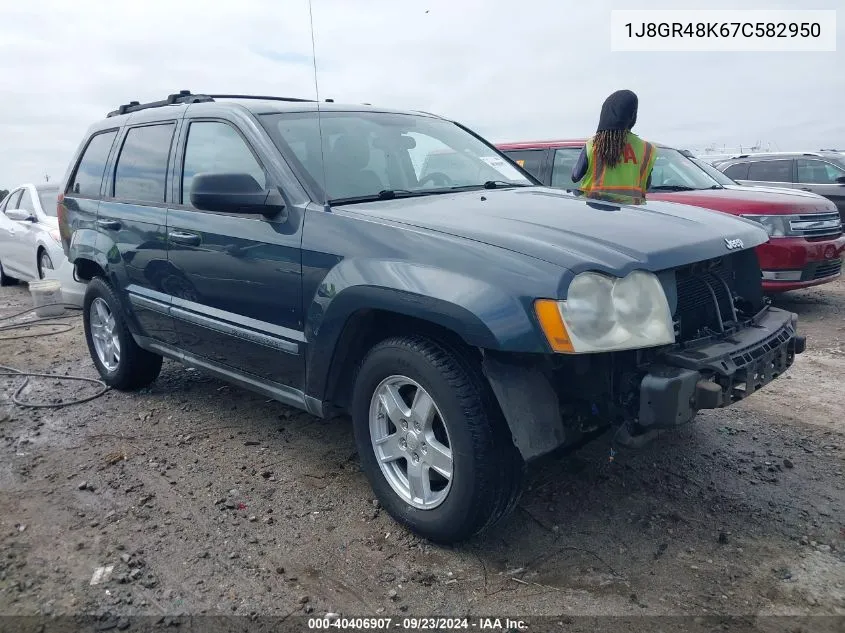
486,469
5,280
44,262
132,367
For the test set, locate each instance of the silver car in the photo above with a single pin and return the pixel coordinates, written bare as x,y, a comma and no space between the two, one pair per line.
30,246
819,172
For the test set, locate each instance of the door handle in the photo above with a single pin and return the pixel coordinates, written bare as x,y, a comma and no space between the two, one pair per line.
191,239
110,225
805,189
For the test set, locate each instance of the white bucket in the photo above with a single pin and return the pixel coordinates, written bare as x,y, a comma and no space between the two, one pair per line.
45,292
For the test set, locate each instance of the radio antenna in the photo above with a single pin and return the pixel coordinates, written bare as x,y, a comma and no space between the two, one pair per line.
317,91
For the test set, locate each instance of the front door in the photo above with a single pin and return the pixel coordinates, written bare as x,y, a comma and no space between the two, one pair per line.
11,232
236,295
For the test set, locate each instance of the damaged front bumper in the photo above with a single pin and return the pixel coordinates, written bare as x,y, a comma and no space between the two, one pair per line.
720,373
548,408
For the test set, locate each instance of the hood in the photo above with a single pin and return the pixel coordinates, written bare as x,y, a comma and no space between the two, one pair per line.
570,231
799,193
737,199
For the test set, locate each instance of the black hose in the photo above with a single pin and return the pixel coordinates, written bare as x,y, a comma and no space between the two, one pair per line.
11,371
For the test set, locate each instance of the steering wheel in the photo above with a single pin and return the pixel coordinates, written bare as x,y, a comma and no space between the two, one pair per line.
437,178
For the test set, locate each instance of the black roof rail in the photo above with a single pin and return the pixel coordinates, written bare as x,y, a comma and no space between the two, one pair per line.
263,98
183,96
186,96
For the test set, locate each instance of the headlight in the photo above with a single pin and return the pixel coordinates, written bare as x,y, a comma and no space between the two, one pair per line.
604,313
775,225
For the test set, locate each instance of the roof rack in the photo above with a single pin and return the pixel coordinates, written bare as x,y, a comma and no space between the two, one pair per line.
186,96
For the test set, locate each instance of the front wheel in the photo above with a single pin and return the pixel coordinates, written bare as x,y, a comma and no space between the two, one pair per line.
44,264
432,440
121,363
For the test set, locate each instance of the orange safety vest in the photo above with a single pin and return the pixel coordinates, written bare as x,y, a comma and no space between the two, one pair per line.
628,177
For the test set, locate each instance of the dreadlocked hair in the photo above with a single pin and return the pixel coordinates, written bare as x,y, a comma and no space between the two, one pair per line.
610,145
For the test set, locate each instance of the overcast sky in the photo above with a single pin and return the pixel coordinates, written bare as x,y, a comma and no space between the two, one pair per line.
510,70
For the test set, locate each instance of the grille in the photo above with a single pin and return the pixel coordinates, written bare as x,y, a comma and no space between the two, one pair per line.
828,269
816,225
705,302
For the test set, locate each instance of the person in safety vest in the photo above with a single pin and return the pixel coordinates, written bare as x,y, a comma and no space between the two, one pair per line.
616,161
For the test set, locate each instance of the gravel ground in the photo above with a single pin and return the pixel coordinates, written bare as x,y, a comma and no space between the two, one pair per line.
207,499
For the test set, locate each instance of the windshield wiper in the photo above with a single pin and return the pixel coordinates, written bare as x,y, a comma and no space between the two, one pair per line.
493,184
387,194
490,184
671,188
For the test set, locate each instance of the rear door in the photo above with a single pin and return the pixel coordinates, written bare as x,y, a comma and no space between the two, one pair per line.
820,176
22,256
771,172
237,300
133,216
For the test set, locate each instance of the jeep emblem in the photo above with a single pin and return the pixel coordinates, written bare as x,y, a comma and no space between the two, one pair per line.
733,244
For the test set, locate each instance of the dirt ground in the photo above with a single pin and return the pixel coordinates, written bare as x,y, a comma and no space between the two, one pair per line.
208,499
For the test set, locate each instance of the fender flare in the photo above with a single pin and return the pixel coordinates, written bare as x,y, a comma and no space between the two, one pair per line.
481,314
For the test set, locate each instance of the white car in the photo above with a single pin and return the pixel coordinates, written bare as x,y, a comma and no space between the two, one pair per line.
30,246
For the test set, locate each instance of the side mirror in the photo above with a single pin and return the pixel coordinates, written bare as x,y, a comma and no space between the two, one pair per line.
841,180
20,215
234,193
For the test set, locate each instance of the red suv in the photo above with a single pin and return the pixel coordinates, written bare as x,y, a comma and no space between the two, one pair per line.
806,243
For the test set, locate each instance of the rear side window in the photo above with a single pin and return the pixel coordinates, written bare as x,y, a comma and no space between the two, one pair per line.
531,160
565,160
738,171
771,171
216,147
89,173
141,172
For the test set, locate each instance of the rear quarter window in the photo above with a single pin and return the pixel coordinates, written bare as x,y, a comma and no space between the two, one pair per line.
88,176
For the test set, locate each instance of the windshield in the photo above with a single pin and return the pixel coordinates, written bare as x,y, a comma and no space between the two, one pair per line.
49,198
673,170
365,154
714,173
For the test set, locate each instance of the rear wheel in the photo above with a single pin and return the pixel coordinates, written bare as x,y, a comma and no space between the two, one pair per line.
44,263
432,440
5,280
121,363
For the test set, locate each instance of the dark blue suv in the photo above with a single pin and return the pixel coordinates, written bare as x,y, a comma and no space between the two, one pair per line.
468,319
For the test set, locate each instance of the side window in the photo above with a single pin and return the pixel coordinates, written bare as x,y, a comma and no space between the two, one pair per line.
215,147
89,172
771,171
739,171
26,202
818,172
531,160
141,171
565,160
